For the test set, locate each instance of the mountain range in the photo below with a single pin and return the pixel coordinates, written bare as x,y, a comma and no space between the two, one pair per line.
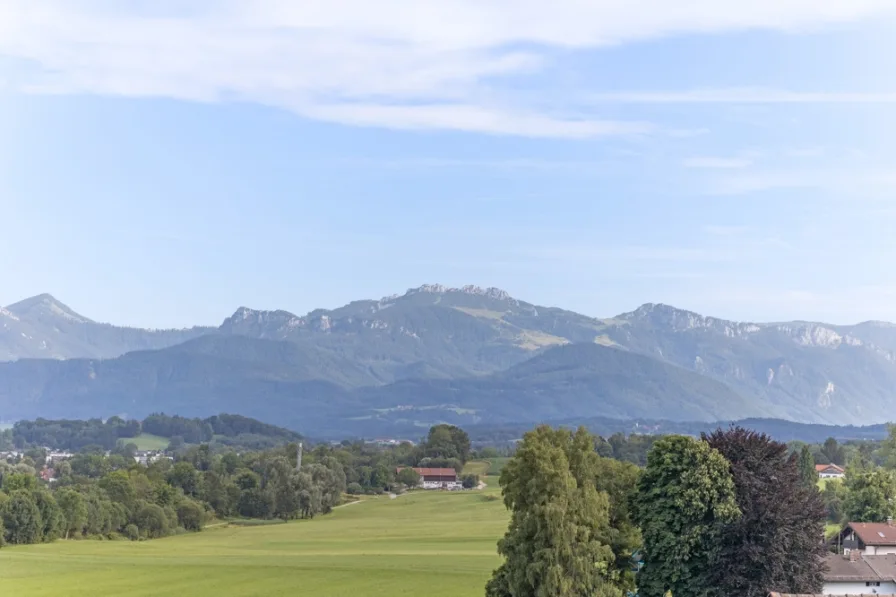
462,355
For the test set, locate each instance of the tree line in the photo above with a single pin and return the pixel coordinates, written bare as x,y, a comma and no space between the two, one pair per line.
108,494
224,429
730,513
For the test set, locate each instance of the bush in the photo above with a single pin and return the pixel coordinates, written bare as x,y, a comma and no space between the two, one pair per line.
354,489
132,532
470,481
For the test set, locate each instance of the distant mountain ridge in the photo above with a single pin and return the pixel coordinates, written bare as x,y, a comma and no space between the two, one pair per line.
43,327
462,355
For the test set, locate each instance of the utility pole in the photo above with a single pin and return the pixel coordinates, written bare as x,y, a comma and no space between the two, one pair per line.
299,458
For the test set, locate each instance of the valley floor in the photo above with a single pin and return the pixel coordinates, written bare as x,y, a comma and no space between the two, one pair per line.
426,543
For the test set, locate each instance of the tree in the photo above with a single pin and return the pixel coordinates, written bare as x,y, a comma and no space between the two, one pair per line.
870,495
21,519
685,497
447,441
74,512
552,546
619,480
888,448
470,481
118,486
833,452
190,515
834,495
774,545
408,477
52,521
152,520
16,481
807,467
184,476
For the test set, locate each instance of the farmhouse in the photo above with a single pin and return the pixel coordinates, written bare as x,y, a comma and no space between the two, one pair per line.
438,478
867,538
829,471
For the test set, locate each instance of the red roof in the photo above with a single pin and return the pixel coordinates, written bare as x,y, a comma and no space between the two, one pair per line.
874,533
824,467
436,472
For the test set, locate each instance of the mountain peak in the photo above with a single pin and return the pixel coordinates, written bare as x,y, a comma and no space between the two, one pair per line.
490,292
45,305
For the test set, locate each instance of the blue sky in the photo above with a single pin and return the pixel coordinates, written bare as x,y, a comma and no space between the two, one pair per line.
162,166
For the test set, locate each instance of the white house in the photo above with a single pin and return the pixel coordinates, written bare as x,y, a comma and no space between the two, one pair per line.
858,574
829,471
438,478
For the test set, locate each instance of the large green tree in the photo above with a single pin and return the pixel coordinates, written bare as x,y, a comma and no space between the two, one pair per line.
870,495
74,512
447,441
775,544
685,498
553,546
833,452
21,519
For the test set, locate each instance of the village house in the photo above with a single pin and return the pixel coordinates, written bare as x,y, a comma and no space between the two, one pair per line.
147,457
56,456
438,478
867,538
11,455
829,471
854,573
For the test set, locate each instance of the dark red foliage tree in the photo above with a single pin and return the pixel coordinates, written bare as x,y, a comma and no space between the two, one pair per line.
777,544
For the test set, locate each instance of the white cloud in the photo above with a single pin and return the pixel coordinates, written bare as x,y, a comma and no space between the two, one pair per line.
429,64
742,96
716,162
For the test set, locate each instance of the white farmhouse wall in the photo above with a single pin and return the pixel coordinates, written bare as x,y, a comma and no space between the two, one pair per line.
831,475
879,550
858,588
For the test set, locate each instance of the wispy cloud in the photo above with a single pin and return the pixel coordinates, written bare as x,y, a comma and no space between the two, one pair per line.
742,96
716,163
441,64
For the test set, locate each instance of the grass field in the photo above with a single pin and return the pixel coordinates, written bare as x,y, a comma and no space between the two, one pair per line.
423,543
147,441
491,467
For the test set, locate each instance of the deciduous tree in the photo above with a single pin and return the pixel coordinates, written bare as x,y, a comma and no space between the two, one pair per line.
775,545
685,497
553,544
21,519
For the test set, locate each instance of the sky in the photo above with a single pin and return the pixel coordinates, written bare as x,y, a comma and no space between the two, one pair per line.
163,163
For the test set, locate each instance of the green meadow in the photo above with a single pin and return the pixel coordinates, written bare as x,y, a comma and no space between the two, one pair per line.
422,543
147,441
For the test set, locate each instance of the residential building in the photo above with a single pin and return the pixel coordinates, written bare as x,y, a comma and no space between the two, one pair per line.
868,538
438,478
147,457
855,573
55,456
829,471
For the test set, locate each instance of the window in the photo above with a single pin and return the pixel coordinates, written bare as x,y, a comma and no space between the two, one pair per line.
872,584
